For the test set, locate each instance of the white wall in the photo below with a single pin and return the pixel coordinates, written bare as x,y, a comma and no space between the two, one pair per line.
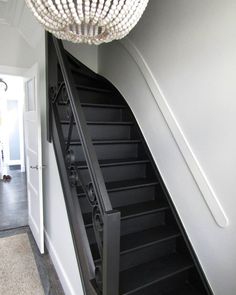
180,68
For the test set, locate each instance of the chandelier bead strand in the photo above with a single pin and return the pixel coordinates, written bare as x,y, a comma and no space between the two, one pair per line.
88,21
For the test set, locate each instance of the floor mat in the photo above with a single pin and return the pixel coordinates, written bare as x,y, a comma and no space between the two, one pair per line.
18,270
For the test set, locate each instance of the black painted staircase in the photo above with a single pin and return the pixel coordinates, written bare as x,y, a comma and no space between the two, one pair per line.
154,255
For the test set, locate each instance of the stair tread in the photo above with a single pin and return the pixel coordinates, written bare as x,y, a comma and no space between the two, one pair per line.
114,162
133,279
110,123
126,184
141,239
129,184
147,237
84,74
92,88
186,290
134,210
101,105
119,141
66,122
142,208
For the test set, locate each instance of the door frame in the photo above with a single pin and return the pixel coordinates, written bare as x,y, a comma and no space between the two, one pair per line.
33,72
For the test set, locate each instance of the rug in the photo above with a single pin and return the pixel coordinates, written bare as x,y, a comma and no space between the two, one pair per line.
18,270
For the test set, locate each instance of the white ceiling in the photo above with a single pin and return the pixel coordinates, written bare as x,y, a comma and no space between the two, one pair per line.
15,13
10,11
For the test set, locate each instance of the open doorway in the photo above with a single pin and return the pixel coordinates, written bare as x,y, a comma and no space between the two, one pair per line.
13,192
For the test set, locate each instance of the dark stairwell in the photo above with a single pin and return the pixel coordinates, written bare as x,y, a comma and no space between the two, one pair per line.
127,235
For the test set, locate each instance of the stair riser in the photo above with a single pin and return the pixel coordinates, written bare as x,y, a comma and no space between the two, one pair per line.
108,151
147,254
142,222
103,114
94,97
101,132
84,80
118,173
124,198
132,196
99,114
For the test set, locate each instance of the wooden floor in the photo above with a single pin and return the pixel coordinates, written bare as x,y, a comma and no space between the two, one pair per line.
13,201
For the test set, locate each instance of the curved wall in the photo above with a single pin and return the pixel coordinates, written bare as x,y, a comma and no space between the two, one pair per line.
177,72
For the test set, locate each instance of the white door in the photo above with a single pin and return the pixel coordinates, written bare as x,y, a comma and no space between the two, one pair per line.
33,154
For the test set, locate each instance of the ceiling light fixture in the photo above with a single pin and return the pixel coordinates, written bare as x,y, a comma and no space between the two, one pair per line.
88,21
3,85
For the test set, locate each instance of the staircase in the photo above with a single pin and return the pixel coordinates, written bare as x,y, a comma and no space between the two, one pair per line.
127,236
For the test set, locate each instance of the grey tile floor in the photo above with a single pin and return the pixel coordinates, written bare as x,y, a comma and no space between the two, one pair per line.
13,201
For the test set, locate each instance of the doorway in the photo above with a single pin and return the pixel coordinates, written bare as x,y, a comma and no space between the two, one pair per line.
13,192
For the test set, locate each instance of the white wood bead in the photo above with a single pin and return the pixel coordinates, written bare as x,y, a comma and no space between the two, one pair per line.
88,21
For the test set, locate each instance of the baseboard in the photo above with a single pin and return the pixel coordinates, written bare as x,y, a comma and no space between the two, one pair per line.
65,282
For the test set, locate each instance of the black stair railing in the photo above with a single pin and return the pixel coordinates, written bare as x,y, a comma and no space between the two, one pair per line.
106,221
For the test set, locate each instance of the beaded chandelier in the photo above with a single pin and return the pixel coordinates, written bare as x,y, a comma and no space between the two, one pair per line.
88,21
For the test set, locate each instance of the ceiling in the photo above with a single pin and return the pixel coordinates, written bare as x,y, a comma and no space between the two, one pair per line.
10,12
16,14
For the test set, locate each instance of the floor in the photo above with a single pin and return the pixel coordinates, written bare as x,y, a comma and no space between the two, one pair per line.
47,273
13,201
14,220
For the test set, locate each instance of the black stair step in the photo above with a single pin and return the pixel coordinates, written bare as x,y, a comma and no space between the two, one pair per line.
114,162
135,210
144,275
77,70
130,184
185,290
103,105
93,89
66,122
102,142
146,238
126,185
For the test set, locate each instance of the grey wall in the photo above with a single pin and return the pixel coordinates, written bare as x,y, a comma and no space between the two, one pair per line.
14,50
57,231
22,47
87,54
177,71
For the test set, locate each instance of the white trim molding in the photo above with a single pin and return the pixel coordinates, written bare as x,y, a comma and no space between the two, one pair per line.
66,284
208,193
15,71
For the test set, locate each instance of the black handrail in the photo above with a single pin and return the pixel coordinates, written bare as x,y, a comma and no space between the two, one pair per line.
90,154
106,221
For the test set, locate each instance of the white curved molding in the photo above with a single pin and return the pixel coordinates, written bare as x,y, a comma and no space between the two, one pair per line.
190,158
15,71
